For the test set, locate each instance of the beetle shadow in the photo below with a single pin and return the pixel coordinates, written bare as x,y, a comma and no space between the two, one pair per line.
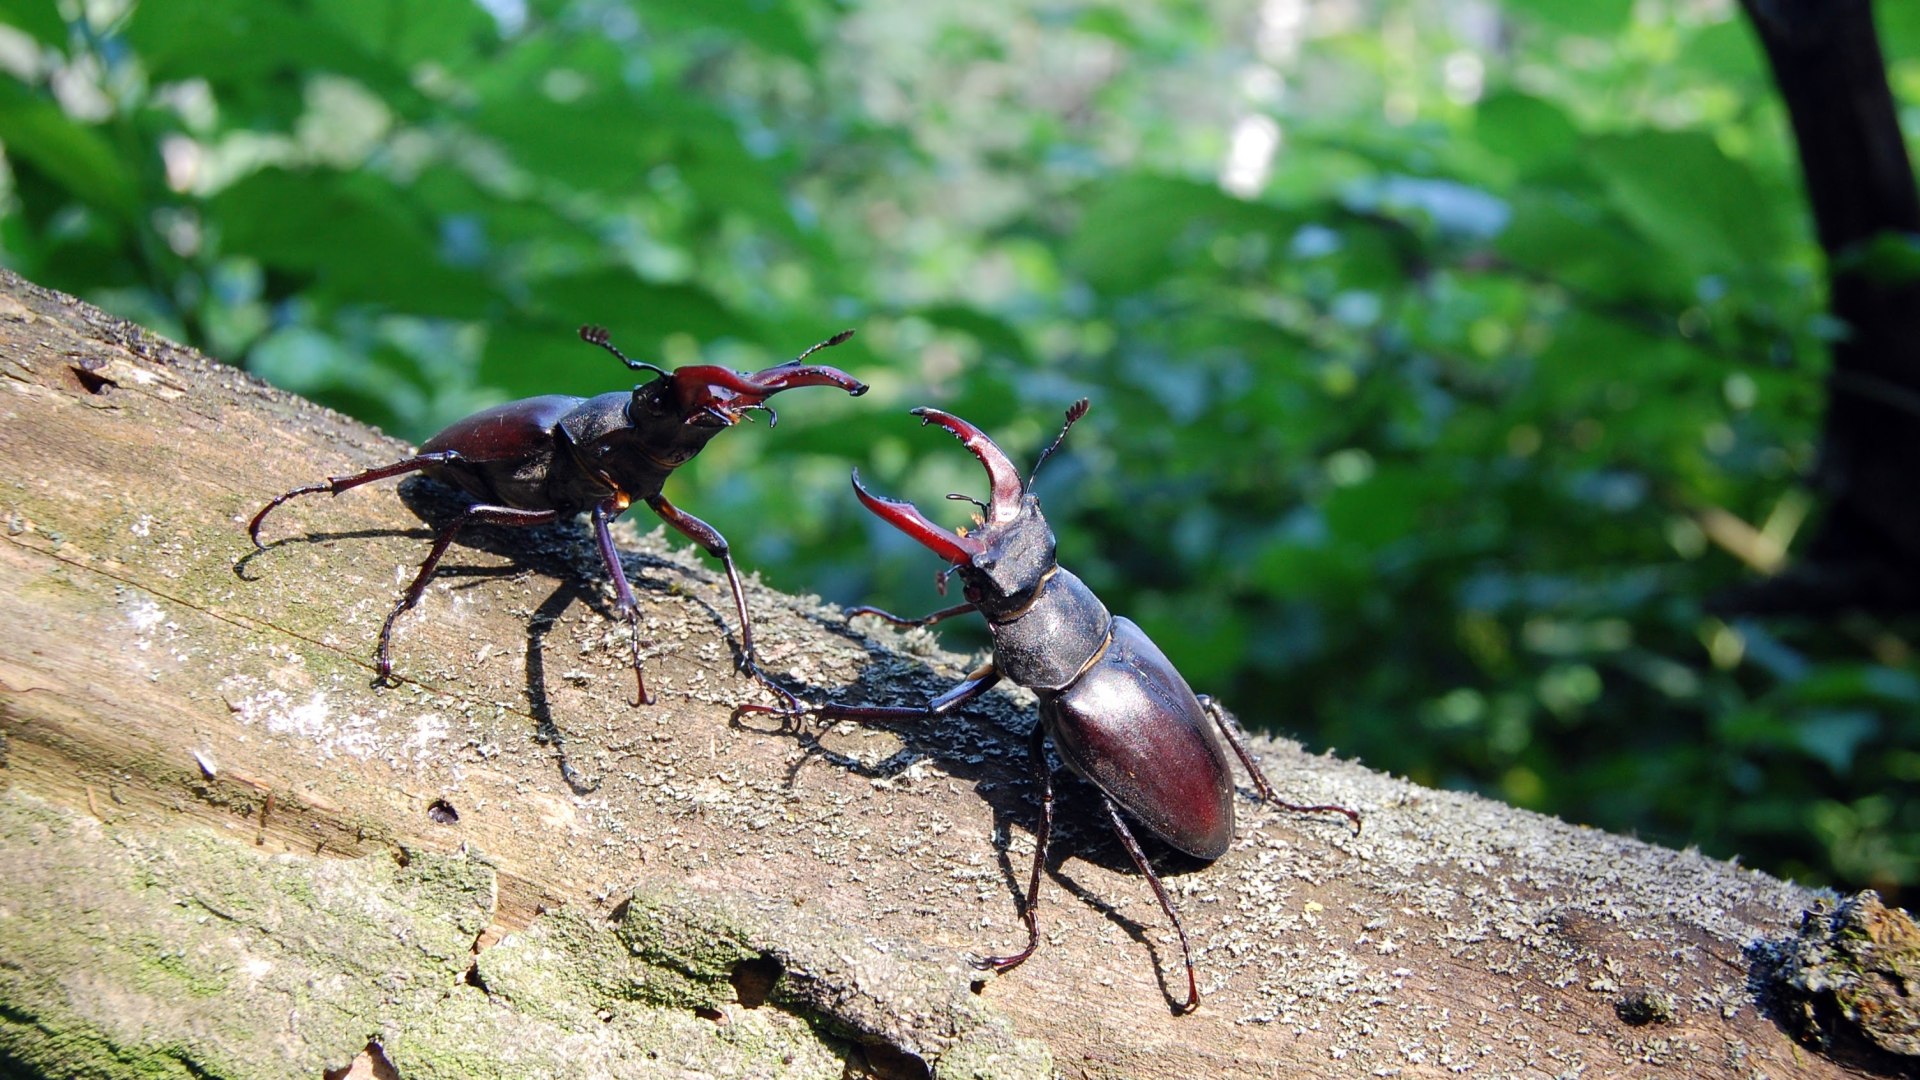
984,743
563,550
242,567
1080,833
546,730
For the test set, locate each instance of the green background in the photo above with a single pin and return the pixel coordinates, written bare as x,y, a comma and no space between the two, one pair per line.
1445,358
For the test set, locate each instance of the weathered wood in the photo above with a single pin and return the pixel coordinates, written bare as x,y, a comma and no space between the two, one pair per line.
223,854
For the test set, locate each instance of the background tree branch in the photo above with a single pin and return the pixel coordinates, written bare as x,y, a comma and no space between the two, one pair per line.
229,855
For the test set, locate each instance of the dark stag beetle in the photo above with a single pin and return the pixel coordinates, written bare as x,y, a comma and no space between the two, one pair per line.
1118,712
536,460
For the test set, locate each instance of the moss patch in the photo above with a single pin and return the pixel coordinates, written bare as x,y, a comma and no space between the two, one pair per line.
139,953
1854,968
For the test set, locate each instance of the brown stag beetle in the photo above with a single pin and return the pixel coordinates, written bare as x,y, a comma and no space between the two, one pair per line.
536,460
1117,711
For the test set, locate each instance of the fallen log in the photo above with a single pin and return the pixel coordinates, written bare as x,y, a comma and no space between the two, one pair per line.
227,853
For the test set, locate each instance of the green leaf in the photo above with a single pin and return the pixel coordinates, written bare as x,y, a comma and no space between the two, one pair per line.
993,334
1383,508
525,359
1446,207
1834,736
411,31
600,142
768,24
1279,354
544,354
1684,193
352,231
1109,22
1899,26
1527,131
1568,239
621,300
1374,254
1302,570
1590,354
1890,258
722,174
1595,18
244,43
1206,640
1131,226
507,219
1727,50
40,19
1855,684
73,155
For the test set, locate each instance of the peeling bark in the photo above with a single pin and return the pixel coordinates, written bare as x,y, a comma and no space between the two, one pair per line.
228,854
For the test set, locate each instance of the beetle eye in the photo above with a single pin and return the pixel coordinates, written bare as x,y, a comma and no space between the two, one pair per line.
648,396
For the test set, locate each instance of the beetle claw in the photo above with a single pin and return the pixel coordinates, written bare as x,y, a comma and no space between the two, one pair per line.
790,716
908,519
746,665
1003,478
998,964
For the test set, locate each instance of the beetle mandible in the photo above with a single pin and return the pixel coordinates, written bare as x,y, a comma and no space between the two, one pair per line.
539,459
1115,708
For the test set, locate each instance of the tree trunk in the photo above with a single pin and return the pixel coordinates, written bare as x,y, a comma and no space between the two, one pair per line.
229,855
1827,62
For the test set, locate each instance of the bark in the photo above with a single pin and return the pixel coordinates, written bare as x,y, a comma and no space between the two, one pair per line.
228,854
1827,62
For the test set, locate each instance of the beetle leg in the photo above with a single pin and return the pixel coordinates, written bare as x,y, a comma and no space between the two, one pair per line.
709,538
924,620
1160,892
603,513
481,512
1230,727
334,485
976,684
1037,748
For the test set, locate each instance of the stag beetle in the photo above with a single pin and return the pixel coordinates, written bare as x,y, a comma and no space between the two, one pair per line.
1117,711
536,460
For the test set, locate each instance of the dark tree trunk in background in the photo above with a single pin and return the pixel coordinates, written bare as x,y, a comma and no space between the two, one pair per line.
1827,61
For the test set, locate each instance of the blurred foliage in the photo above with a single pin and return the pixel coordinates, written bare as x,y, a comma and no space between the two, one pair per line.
1444,356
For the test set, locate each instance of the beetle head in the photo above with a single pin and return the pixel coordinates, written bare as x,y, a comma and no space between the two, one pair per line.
709,396
1010,550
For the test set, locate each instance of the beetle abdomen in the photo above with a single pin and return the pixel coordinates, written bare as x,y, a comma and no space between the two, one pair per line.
1132,726
508,450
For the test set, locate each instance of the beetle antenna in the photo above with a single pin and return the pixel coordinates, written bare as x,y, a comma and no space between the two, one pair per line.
597,335
957,497
827,344
1074,412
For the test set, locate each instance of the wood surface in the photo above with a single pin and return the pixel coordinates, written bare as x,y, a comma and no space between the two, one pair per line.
228,853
